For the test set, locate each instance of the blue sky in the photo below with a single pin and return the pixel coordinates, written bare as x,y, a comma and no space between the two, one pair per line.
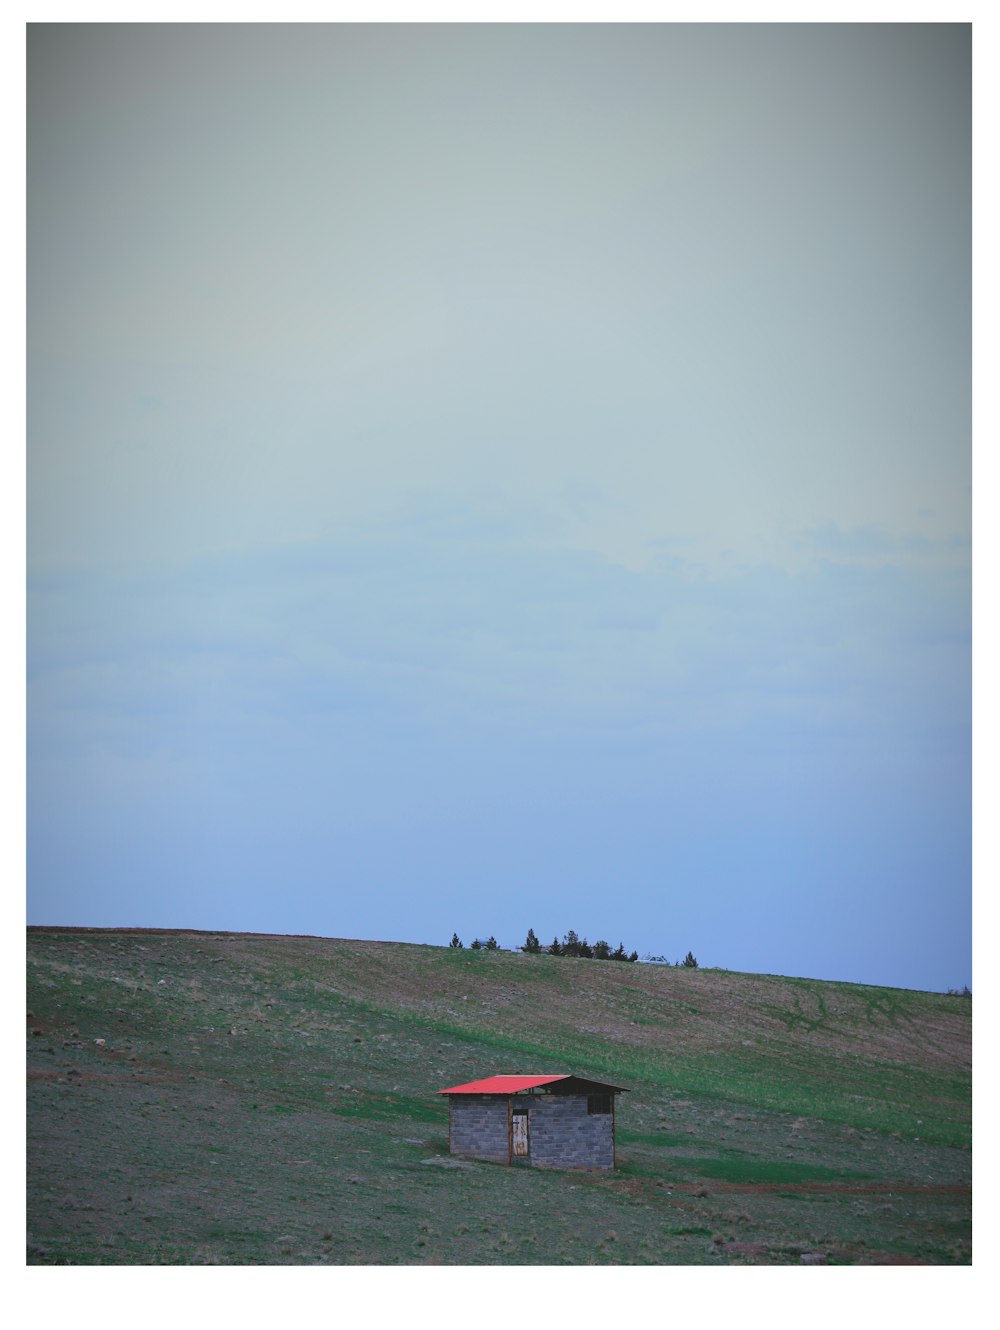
503,477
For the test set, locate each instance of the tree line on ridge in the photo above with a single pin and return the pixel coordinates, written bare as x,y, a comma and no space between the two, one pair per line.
571,945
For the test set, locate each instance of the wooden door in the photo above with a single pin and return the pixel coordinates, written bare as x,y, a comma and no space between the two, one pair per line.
519,1133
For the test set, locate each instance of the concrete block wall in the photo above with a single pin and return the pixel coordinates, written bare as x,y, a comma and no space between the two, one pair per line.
564,1135
479,1127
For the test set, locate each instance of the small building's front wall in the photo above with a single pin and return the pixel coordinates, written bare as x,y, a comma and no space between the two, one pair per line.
479,1126
561,1132
564,1135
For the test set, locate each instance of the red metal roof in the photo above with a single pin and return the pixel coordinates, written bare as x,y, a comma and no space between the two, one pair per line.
503,1084
514,1084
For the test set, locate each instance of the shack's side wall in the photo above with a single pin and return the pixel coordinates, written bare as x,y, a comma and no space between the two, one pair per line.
479,1126
564,1135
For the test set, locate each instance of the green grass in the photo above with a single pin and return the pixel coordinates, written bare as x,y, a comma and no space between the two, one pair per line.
771,1171
268,1100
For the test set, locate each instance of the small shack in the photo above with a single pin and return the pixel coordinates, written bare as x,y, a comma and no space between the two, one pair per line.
549,1121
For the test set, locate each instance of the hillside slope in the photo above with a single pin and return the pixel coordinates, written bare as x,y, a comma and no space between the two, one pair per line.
247,1064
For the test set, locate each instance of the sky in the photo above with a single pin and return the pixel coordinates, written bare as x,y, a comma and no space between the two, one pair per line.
495,477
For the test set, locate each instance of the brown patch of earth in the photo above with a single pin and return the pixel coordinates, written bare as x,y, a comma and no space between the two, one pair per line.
837,1256
847,1188
644,1188
105,1078
746,1248
884,1258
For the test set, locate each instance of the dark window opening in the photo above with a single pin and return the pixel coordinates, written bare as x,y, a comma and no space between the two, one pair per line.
598,1103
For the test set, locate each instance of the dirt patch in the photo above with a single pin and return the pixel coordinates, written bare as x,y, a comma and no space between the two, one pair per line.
864,1256
641,1187
107,1078
746,1248
845,1188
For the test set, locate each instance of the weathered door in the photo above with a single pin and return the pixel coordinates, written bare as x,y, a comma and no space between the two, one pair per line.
519,1133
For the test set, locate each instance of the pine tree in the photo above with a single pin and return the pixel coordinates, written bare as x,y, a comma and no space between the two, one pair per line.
531,943
602,951
555,949
456,941
476,944
491,943
690,961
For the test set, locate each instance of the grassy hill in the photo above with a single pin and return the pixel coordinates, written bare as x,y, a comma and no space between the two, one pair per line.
217,1098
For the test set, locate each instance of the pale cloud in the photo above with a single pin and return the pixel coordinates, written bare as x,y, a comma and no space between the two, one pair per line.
697,283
